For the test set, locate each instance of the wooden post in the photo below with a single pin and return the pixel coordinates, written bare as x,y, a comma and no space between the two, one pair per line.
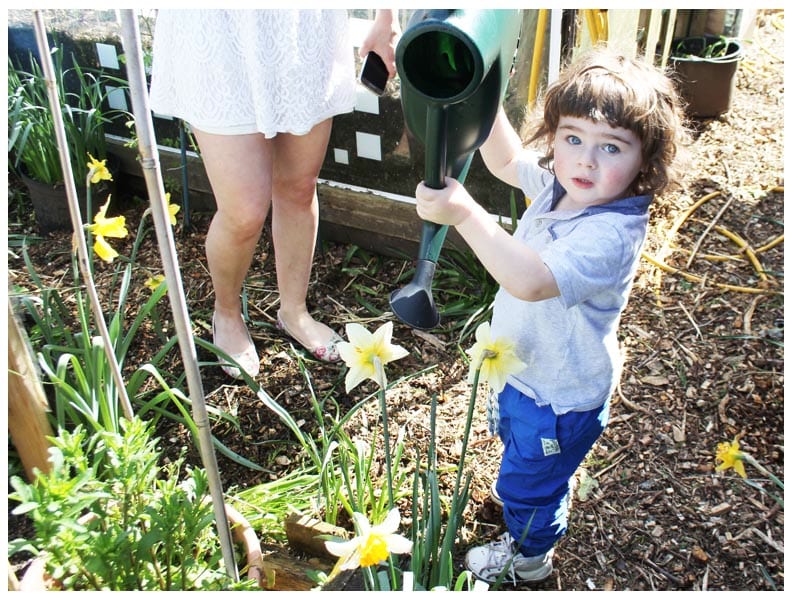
27,403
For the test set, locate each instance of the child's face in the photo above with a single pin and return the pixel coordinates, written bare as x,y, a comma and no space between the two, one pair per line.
594,162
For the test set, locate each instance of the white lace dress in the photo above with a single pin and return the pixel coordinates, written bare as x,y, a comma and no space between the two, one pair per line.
246,71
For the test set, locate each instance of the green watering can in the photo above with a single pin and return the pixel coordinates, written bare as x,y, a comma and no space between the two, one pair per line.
454,67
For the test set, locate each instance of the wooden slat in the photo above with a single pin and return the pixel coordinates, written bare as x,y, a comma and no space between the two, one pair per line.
27,404
372,221
668,36
653,33
305,534
376,222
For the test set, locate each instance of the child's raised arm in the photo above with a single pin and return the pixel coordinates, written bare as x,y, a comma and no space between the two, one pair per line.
502,149
514,265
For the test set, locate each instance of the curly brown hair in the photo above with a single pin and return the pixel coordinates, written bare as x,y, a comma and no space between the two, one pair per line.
606,86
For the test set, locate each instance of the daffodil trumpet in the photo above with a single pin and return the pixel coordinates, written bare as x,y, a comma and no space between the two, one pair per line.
372,545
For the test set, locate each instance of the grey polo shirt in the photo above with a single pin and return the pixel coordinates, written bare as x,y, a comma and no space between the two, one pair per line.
569,342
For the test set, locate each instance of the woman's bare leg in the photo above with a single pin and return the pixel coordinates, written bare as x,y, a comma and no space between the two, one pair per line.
239,169
297,161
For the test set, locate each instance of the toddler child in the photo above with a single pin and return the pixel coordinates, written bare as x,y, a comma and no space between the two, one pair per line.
611,130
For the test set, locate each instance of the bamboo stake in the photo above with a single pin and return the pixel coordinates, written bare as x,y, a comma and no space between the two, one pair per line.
149,160
74,210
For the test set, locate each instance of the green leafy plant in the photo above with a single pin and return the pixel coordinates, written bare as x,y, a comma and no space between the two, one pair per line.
32,144
75,362
342,467
708,47
73,356
434,530
110,515
435,520
268,504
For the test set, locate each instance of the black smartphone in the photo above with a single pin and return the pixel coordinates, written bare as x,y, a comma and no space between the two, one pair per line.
374,74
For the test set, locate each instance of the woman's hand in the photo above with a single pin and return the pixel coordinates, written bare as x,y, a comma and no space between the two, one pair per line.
382,39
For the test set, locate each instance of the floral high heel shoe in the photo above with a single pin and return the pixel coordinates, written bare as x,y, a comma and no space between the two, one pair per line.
327,353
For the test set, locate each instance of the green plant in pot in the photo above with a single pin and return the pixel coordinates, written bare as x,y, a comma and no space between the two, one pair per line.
704,69
112,515
32,143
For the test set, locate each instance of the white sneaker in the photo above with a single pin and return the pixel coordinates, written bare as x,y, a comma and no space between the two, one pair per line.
489,561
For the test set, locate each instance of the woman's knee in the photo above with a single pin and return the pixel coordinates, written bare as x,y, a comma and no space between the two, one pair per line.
297,189
241,224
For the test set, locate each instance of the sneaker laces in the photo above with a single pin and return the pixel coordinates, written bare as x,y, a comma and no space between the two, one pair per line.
500,553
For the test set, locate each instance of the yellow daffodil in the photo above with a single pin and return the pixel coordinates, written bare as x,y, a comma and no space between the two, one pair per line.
361,350
106,252
496,358
103,227
153,282
730,456
372,544
98,170
172,209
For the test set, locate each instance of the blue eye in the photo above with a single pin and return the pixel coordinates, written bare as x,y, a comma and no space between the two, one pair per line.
610,149
573,140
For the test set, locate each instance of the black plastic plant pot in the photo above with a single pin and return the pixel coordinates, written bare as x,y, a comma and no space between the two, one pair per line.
704,69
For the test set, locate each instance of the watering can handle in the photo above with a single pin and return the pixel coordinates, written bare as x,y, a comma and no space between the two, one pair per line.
435,145
432,235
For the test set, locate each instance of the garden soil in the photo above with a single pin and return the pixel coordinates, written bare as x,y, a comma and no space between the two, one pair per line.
704,364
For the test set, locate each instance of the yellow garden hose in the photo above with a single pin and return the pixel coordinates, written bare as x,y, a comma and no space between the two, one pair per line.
696,279
743,244
775,242
597,24
534,73
537,55
745,247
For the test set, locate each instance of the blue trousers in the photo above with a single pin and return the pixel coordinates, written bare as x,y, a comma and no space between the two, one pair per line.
542,452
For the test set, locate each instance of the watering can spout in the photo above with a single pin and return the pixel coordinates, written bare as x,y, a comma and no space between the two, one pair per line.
414,303
454,66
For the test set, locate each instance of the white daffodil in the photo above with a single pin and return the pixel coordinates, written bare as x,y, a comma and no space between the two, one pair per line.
496,358
372,544
361,350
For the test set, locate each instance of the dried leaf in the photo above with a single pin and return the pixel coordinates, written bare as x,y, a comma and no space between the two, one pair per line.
586,485
699,554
